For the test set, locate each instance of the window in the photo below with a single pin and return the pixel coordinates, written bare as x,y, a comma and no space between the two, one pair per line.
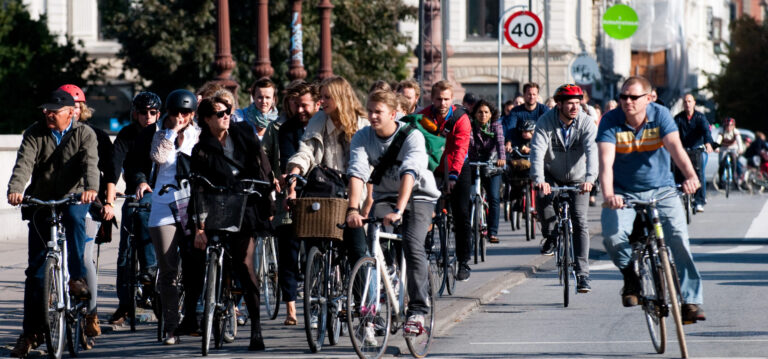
651,65
482,19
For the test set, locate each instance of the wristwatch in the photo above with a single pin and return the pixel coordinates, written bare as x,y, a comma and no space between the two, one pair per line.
397,211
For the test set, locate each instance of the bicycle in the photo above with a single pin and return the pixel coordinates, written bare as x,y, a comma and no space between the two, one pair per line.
564,229
442,252
725,178
219,287
689,203
377,299
478,212
65,313
523,198
659,282
265,266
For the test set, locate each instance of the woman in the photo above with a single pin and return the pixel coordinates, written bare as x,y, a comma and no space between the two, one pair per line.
487,144
225,155
326,141
177,135
730,143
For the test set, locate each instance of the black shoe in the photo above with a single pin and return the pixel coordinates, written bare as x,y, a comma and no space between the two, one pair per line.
463,273
548,248
582,284
630,294
693,313
187,327
257,343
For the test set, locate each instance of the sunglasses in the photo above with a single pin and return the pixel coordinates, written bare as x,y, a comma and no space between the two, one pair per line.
177,112
148,112
221,114
633,97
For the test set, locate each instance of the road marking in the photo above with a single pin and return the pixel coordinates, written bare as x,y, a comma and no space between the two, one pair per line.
688,340
736,249
601,265
759,227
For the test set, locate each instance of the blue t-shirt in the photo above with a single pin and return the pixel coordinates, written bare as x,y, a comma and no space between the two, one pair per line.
642,163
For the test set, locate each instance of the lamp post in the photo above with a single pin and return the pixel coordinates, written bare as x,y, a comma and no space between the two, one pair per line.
296,70
262,67
326,70
223,62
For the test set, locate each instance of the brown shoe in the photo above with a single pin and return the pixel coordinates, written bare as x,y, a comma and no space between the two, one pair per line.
23,345
78,288
290,321
493,239
92,328
693,313
118,317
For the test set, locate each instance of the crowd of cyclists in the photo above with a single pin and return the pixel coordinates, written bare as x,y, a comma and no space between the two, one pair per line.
629,150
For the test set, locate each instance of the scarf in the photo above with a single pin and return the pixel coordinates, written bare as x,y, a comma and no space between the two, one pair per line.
258,118
484,129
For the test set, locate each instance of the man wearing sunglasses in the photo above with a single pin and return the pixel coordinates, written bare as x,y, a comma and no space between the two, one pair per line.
145,111
635,143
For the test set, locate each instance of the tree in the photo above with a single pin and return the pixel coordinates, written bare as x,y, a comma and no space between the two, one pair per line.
32,64
741,88
171,43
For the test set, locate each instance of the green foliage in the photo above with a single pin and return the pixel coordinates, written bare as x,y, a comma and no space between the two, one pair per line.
32,64
170,50
741,87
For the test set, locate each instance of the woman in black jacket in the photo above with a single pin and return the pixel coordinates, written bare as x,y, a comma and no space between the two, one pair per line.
225,154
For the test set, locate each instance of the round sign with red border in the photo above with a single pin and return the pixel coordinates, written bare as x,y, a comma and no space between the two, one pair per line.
523,30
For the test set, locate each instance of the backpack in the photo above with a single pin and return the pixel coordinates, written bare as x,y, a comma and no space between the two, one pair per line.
323,181
434,140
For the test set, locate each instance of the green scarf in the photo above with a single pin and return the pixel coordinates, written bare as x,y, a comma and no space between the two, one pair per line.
483,128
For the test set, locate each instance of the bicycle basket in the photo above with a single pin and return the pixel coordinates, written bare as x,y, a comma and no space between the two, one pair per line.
316,217
221,211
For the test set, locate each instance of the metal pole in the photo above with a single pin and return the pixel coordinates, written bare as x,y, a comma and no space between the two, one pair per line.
530,53
501,20
444,40
421,50
546,45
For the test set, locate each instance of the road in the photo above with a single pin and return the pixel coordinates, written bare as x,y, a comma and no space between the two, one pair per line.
511,307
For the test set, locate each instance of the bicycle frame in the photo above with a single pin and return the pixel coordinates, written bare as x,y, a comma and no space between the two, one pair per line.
397,301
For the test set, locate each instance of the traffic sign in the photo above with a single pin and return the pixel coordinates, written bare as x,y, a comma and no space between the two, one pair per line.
585,70
523,30
620,21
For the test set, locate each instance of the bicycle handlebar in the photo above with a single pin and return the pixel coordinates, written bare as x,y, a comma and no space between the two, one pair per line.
564,188
71,198
295,177
516,150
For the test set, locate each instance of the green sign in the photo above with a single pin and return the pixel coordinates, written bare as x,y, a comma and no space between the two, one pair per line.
620,21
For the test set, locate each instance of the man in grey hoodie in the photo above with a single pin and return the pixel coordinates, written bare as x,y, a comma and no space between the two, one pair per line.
564,153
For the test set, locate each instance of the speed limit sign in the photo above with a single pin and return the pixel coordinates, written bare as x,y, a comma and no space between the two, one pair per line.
523,29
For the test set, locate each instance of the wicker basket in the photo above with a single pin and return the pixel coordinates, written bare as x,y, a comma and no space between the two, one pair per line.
317,217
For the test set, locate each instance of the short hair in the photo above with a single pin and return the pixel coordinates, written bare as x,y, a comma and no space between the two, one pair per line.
509,103
380,85
646,85
491,107
226,96
441,86
529,86
209,88
300,88
470,98
261,83
386,97
403,102
207,108
409,84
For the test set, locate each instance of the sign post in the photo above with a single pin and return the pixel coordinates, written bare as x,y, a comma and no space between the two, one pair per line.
523,31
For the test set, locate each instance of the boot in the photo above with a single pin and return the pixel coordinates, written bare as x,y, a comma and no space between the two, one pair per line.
252,302
92,328
630,294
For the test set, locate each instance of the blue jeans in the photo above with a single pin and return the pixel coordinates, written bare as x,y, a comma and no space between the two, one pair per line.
73,219
701,194
146,252
493,196
617,225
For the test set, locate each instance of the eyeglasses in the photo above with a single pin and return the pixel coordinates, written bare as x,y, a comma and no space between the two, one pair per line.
176,112
221,114
633,97
148,112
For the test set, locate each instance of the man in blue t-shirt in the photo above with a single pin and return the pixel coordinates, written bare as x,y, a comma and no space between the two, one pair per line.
635,143
531,110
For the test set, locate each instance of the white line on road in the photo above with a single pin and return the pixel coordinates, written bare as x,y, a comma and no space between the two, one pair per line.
737,249
759,227
622,342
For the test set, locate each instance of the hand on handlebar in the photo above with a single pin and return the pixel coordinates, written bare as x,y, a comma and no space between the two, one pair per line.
15,199
392,219
544,188
201,240
141,188
690,185
88,196
354,220
613,202
586,187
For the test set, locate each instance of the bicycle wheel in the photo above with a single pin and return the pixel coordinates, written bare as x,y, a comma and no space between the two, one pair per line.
76,339
527,214
565,273
315,302
133,267
448,241
335,296
653,284
223,314
477,235
419,345
434,254
673,300
483,232
55,326
269,282
532,195
369,310
209,300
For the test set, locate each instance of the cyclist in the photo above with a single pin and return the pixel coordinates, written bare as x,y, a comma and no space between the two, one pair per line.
405,191
225,154
564,153
695,136
757,152
634,146
145,111
530,110
487,144
730,144
519,167
58,155
453,122
263,108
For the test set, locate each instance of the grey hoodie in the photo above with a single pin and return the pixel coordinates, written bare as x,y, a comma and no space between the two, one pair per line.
575,163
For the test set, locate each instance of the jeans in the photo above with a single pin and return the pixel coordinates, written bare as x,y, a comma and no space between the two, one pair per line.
617,225
288,259
460,207
73,219
146,252
579,206
493,196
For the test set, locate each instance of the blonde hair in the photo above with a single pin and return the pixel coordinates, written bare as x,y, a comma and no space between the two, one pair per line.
348,107
225,95
85,112
386,97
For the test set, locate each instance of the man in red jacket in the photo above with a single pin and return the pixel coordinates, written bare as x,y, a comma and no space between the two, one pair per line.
454,172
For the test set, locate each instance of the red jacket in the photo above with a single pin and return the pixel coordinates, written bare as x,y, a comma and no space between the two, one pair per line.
456,142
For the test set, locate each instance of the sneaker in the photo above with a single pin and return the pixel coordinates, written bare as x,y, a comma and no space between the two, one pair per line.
463,273
630,294
548,248
693,313
414,326
23,345
118,317
370,336
582,284
92,328
313,322
171,340
699,208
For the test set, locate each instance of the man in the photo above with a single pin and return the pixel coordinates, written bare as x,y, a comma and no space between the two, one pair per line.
262,109
564,153
58,155
507,107
469,101
634,147
145,111
410,89
529,110
697,140
454,172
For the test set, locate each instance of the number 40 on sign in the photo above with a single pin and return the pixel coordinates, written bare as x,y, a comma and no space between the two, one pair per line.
523,30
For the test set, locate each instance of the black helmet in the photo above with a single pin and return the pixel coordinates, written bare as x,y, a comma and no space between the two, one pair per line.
528,125
181,100
146,99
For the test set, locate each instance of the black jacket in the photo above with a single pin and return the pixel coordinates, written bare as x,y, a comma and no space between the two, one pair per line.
138,165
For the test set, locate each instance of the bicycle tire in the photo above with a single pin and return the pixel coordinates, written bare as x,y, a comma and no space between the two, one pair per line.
527,214
230,325
533,212
419,345
653,284
688,208
315,302
565,236
483,233
475,235
55,326
209,300
133,279
450,261
361,297
728,180
76,333
221,316
442,231
335,288
673,299
270,281
434,253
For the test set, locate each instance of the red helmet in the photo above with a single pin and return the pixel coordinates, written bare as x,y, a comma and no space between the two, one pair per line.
75,91
567,92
